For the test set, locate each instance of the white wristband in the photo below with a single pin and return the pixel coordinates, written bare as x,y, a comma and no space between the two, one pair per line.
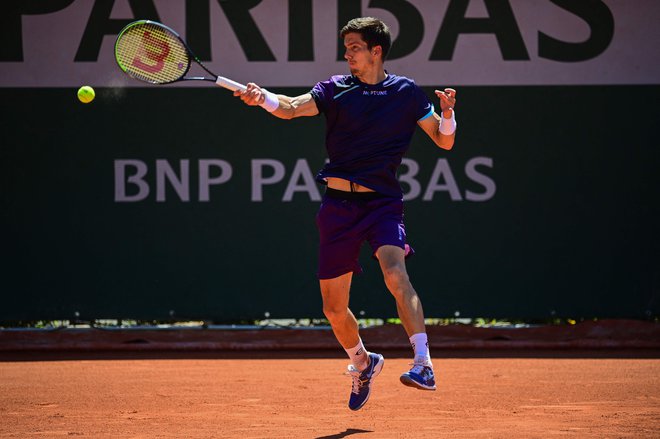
271,103
448,126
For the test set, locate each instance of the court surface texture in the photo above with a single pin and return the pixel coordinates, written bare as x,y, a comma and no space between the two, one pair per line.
304,394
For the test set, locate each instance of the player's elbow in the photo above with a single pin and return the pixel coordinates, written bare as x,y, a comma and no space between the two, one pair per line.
445,142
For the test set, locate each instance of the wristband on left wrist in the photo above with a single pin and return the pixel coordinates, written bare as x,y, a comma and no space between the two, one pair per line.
448,126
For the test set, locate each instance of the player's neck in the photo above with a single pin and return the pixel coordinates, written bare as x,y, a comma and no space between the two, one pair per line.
372,77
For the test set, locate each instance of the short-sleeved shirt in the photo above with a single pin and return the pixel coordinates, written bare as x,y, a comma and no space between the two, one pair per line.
369,128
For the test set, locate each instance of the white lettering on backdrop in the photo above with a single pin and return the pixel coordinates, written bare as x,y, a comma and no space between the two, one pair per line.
134,182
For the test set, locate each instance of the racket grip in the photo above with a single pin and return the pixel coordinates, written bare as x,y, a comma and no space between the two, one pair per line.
229,84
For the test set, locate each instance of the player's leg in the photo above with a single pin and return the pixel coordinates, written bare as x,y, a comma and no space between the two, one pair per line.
335,293
392,262
338,260
365,365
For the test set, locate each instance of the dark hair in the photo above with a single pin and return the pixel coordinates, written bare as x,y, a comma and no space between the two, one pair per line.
374,32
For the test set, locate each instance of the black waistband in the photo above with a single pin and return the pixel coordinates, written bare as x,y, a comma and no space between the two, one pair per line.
344,195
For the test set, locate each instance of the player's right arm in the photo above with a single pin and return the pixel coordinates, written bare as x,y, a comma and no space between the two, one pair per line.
286,107
303,105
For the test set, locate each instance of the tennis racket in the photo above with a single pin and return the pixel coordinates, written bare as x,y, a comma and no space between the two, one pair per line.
154,53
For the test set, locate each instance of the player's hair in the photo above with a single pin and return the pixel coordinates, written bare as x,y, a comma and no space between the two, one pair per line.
374,32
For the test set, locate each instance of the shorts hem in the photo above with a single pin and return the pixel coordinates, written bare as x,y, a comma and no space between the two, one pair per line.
335,274
409,251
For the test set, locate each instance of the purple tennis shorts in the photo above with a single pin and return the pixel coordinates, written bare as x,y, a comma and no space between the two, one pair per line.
347,219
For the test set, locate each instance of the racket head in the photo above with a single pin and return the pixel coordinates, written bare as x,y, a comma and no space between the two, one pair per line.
152,52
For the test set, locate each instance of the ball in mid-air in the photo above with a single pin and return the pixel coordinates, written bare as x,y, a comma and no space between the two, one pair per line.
86,94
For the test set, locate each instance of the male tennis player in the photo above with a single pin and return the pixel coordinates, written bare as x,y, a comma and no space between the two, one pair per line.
371,116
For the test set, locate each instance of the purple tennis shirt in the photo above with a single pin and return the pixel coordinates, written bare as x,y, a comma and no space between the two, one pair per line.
369,128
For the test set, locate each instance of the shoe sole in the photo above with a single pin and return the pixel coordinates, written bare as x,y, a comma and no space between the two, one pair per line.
407,381
377,370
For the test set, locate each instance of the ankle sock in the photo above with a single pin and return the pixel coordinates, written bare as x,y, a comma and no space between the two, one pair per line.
359,356
420,345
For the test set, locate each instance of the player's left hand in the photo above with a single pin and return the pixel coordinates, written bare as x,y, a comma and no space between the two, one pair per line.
447,99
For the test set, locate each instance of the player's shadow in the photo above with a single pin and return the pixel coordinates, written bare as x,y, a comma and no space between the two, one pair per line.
348,432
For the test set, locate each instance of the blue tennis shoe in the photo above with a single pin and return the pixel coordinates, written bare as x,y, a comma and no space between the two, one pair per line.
420,376
362,381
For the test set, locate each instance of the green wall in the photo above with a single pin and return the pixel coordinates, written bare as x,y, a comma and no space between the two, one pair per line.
565,221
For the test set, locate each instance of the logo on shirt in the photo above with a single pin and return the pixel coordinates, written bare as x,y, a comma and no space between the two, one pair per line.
374,92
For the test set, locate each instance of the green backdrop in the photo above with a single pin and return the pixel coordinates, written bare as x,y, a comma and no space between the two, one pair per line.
569,226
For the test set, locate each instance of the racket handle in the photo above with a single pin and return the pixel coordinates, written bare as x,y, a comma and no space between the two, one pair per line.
229,84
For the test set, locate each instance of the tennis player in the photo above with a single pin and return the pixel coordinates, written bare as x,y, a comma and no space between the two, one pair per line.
371,116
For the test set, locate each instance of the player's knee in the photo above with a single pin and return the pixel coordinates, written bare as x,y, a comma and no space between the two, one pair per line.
335,313
396,278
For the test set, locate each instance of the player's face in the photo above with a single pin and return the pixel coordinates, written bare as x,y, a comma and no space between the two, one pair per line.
360,58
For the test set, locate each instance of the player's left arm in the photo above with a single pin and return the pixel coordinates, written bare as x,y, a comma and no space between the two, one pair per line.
442,128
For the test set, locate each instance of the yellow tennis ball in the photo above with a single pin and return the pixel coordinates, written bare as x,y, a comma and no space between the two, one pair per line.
86,94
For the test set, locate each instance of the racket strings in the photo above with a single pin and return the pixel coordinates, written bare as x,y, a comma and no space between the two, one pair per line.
151,53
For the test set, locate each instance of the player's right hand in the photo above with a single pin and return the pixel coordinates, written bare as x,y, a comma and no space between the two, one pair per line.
253,94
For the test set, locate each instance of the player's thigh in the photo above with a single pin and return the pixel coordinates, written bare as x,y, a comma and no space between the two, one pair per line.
391,257
339,238
392,263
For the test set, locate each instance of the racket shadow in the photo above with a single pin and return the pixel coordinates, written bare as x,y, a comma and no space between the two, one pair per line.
348,432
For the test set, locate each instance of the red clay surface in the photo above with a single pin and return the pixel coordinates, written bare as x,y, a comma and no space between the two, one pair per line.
205,397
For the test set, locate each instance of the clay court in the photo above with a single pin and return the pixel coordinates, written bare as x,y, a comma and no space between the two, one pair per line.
162,242
526,387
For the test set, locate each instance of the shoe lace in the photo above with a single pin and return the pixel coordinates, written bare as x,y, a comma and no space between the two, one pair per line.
417,368
357,382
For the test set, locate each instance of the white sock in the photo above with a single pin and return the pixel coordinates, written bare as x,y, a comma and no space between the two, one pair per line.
359,356
420,345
